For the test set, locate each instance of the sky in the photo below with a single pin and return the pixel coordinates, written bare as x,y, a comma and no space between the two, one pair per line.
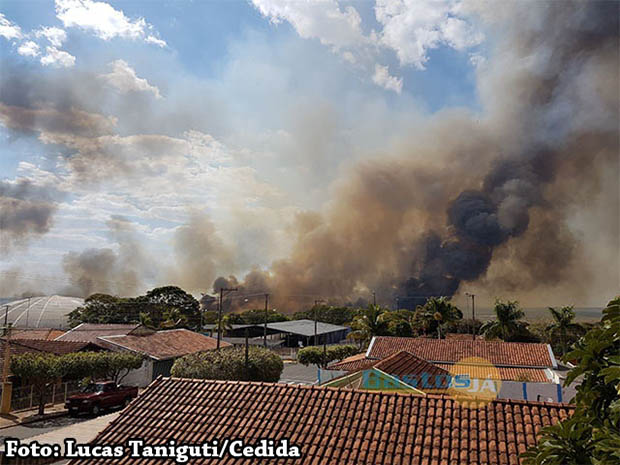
178,141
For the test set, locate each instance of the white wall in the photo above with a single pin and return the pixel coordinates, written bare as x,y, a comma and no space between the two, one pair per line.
140,377
536,391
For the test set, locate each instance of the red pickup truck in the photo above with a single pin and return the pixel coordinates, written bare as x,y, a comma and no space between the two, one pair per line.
99,396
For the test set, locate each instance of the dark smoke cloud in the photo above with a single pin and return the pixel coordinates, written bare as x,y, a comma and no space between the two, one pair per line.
421,222
104,270
26,211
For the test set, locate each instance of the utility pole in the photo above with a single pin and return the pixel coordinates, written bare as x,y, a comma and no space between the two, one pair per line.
397,303
7,387
219,313
316,305
473,315
266,318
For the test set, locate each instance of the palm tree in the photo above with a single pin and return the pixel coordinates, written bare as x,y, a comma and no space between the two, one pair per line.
563,325
507,321
370,322
436,313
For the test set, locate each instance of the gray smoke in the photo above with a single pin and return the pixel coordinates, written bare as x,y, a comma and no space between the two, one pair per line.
26,210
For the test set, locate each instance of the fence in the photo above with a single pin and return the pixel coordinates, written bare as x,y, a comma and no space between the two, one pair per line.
27,397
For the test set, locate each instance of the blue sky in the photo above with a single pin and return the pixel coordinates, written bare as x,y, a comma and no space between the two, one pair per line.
134,126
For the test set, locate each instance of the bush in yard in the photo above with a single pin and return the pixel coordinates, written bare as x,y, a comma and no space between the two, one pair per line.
322,356
41,370
229,364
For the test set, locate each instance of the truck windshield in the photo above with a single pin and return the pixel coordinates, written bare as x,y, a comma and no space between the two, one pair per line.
95,387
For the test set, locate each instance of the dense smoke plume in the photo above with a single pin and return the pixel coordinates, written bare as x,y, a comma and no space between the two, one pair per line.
25,211
489,198
412,229
117,272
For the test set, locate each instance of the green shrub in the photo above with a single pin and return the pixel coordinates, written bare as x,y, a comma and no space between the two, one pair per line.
321,356
229,364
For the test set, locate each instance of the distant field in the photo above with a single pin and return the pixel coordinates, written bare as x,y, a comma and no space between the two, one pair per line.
532,314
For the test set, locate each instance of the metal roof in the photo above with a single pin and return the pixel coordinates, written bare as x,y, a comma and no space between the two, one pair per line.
305,327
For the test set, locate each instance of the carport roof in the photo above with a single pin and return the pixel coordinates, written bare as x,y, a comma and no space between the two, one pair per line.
305,327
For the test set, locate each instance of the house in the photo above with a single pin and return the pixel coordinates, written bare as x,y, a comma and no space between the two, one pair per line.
48,334
89,332
160,349
329,425
26,346
523,370
402,371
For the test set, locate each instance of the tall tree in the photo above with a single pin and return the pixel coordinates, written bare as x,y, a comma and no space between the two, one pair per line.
435,314
507,324
368,323
592,435
563,326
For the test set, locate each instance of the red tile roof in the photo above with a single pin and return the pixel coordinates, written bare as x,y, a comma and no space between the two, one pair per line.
330,425
452,351
52,347
89,332
163,345
404,363
532,375
353,363
37,333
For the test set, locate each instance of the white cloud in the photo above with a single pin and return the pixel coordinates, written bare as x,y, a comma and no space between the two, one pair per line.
104,21
55,35
58,58
28,49
383,78
155,40
8,29
322,19
412,27
124,78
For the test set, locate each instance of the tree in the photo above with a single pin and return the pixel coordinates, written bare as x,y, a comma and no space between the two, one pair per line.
41,370
257,316
38,370
563,326
592,435
435,314
328,314
112,366
230,364
322,356
507,324
102,308
368,323
162,307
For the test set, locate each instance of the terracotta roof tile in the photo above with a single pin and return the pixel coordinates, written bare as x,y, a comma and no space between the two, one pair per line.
532,375
38,333
89,332
404,363
451,351
331,426
52,347
163,345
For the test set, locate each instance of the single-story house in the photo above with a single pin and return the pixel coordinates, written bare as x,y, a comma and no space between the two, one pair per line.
329,425
47,334
402,371
160,348
89,332
526,370
25,346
